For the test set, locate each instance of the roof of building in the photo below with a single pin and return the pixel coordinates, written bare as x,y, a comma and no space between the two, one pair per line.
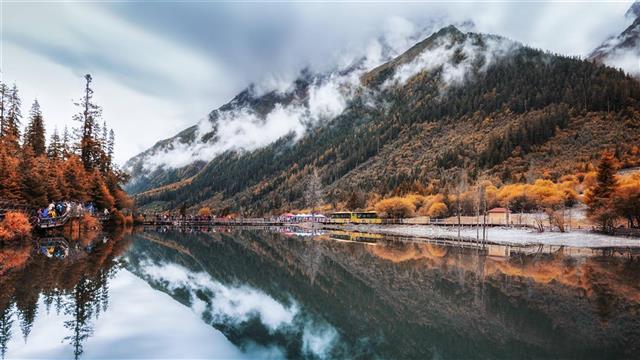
499,210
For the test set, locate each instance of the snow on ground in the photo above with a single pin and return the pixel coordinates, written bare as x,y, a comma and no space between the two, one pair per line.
509,236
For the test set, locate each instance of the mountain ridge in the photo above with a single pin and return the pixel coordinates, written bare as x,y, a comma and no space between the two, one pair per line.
469,86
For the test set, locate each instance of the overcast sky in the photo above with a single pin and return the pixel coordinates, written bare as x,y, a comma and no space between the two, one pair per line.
160,67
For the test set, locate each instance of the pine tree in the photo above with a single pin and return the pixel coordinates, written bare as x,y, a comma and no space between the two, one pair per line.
6,322
105,135
80,310
9,181
34,135
54,152
599,198
110,148
4,96
31,179
76,178
88,144
55,180
100,192
11,122
66,144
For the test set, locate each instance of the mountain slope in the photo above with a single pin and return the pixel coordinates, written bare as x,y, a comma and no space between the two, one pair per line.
442,106
623,51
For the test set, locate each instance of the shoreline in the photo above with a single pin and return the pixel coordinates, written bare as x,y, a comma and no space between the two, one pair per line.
496,235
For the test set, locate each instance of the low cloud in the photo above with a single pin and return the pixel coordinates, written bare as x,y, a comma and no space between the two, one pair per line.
455,60
625,59
242,129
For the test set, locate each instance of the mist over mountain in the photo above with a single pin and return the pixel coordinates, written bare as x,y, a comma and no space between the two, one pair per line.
623,50
445,104
266,111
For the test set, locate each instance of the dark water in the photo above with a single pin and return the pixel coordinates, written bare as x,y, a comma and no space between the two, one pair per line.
265,294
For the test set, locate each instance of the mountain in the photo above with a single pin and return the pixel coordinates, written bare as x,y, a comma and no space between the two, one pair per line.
623,50
254,113
456,101
181,156
634,10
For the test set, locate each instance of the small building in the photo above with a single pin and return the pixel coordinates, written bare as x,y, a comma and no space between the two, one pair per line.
498,215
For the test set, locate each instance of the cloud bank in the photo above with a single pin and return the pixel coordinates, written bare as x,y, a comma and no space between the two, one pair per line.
158,67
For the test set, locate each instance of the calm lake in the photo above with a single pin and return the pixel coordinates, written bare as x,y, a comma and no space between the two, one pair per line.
248,293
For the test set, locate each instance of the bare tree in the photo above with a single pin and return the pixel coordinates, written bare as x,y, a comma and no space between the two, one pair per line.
313,196
461,187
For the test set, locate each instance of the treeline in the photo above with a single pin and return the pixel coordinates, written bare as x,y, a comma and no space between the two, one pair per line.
523,135
75,166
613,200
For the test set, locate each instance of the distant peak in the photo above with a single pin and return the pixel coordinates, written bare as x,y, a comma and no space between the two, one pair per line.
634,10
449,30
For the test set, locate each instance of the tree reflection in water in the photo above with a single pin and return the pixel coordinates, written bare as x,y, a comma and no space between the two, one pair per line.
75,283
406,300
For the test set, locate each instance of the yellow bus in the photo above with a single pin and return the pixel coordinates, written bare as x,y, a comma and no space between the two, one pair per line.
354,236
344,217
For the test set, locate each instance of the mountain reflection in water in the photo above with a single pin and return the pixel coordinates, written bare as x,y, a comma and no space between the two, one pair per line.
257,293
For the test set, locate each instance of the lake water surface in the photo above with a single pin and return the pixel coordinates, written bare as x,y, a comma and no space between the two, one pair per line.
247,293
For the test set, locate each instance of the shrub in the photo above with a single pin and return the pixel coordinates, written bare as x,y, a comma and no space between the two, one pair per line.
14,226
437,209
395,207
205,211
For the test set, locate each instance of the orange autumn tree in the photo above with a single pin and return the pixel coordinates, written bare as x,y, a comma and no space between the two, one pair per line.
599,197
626,199
395,207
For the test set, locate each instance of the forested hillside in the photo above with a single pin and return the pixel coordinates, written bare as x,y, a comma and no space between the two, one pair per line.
454,103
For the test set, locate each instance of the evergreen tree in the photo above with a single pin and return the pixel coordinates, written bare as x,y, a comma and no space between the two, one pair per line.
66,144
55,180
4,97
76,178
599,198
81,312
11,122
110,148
88,144
34,135
10,187
100,192
6,322
32,180
105,136
54,152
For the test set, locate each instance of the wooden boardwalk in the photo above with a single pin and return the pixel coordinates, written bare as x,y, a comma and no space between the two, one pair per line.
214,222
61,221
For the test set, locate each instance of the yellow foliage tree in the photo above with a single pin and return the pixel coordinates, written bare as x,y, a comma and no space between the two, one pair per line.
204,211
395,207
438,209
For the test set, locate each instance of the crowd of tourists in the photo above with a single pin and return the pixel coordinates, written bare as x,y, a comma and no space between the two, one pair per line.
63,208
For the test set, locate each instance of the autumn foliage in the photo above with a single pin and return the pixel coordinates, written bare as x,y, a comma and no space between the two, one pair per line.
77,169
14,226
395,207
612,199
